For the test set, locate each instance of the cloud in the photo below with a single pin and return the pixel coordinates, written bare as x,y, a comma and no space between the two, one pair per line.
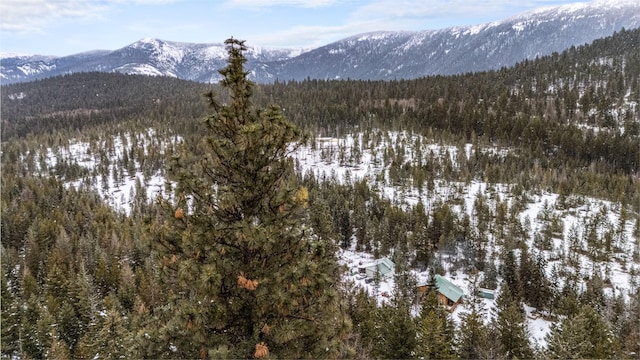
259,4
299,36
418,9
143,2
430,9
312,36
32,16
387,15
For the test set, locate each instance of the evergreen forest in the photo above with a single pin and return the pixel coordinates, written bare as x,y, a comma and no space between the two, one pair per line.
152,217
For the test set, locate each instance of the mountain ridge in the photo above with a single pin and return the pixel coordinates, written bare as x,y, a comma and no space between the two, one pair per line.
379,55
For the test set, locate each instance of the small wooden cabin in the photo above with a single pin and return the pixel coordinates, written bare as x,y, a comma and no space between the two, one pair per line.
449,295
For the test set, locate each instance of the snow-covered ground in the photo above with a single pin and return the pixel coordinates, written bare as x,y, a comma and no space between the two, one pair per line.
538,326
350,159
369,156
125,182
334,158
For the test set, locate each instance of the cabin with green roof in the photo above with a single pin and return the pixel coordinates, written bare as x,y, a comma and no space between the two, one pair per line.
449,294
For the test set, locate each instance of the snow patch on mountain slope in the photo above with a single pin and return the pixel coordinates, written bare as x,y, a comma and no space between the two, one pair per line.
142,69
31,68
214,52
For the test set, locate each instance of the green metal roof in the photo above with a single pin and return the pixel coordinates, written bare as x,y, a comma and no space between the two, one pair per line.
448,289
486,293
385,266
382,266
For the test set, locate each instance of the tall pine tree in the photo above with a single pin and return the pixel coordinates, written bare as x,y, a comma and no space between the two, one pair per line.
248,276
511,327
583,336
472,339
435,330
10,319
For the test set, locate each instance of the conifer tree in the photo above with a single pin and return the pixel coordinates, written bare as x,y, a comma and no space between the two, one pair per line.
435,330
363,311
472,341
536,287
511,327
396,335
36,329
511,275
58,348
112,341
585,335
248,277
10,316
490,278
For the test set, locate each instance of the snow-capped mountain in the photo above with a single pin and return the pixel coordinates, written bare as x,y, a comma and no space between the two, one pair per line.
379,55
198,62
389,55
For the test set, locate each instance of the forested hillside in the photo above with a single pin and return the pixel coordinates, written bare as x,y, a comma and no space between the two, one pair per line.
523,180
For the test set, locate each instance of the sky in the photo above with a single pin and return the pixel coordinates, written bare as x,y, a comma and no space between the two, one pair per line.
65,27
